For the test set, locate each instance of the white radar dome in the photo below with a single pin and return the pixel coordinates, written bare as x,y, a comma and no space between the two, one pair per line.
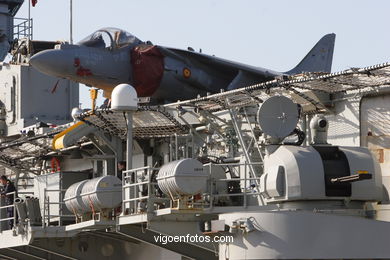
124,98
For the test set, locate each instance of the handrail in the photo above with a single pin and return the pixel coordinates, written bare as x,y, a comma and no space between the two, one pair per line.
9,206
23,29
46,207
139,190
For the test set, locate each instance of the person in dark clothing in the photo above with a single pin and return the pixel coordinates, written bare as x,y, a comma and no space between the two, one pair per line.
121,168
9,198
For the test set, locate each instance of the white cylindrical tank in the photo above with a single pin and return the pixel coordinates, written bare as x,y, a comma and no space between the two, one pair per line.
102,193
182,177
97,194
73,199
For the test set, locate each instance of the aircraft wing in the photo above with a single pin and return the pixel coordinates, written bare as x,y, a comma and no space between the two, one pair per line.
224,64
318,59
242,74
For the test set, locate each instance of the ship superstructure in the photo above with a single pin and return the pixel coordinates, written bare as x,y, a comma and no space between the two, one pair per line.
293,168
264,164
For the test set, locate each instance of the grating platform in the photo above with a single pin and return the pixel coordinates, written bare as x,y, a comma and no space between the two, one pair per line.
147,122
298,87
15,153
151,122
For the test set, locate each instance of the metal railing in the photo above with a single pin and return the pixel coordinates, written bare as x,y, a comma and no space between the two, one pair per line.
14,218
242,184
141,193
47,216
23,28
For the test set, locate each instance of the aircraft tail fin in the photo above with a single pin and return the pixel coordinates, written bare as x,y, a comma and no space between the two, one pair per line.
319,58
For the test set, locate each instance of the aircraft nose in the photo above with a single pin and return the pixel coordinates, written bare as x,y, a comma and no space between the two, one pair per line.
51,62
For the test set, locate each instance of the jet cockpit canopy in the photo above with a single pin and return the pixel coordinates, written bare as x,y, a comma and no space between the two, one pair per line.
111,38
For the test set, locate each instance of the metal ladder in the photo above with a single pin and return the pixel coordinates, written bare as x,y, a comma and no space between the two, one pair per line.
255,174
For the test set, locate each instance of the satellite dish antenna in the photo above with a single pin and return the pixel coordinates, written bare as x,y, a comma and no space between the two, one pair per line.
278,116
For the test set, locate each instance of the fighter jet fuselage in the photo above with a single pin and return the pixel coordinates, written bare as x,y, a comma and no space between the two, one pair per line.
112,56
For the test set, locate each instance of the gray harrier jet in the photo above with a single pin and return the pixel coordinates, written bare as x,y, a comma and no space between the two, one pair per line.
112,56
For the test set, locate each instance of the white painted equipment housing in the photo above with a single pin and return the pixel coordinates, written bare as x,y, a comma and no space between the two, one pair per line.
297,173
28,97
285,234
